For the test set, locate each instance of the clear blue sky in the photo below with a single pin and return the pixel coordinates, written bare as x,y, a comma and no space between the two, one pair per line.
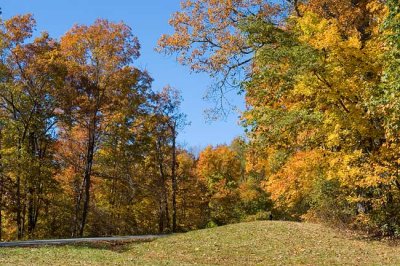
148,19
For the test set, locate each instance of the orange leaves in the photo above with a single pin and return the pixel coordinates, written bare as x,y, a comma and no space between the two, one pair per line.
104,43
19,28
97,60
206,33
219,166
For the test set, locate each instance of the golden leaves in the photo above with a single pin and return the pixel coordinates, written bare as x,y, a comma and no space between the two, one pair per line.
296,178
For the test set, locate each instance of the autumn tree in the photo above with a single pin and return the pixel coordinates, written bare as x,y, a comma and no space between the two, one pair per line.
192,197
320,83
28,106
208,38
99,81
83,139
219,167
168,105
161,162
123,183
314,89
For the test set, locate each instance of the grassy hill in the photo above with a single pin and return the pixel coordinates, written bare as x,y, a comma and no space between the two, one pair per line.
255,243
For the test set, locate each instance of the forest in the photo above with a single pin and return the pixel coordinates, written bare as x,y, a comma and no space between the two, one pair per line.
89,148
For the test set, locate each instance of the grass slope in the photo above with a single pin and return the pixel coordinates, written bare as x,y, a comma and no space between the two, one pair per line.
255,243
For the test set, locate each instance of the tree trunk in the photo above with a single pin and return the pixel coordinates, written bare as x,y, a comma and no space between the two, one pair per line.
173,177
31,215
164,214
161,220
1,207
1,188
87,176
19,225
23,216
76,220
31,186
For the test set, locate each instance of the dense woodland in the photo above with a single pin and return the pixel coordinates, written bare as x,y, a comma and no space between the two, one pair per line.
88,147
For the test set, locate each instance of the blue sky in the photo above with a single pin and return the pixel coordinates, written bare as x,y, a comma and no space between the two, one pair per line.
148,19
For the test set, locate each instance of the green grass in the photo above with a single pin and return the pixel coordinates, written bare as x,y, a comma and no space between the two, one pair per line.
254,243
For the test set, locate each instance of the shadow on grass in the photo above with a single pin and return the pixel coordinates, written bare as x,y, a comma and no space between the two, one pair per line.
344,231
119,246
116,246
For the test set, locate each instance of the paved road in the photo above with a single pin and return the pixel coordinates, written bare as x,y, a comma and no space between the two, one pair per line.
77,240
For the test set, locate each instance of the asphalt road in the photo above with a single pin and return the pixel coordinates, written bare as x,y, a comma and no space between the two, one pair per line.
77,240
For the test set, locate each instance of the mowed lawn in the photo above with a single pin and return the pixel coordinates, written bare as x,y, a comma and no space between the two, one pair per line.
254,243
